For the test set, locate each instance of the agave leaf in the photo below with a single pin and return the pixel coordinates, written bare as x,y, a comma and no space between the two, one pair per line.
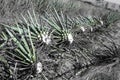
33,24
26,44
37,24
53,24
28,24
5,38
18,55
58,19
33,48
13,27
19,45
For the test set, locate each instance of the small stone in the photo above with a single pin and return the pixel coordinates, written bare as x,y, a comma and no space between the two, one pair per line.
82,28
46,38
70,38
39,67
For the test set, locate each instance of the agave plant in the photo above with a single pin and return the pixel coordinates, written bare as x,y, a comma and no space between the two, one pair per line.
87,23
110,18
39,33
60,26
22,58
98,23
93,23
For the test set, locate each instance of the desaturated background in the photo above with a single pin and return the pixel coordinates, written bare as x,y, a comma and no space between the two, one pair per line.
11,9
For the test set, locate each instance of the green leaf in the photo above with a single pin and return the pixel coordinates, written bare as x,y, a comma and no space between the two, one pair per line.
33,48
18,44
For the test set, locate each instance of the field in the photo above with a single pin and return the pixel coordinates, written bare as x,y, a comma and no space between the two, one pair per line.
58,40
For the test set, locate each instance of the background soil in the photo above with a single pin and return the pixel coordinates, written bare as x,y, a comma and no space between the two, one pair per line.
65,64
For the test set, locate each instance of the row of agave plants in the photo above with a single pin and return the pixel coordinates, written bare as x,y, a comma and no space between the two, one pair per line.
19,41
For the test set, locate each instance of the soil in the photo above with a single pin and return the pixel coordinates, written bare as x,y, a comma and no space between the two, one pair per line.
65,64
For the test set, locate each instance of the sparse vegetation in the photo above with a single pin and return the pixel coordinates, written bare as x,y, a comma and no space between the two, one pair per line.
45,42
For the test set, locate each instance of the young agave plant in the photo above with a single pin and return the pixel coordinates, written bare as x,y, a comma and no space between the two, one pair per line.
110,18
82,23
38,32
92,23
23,58
60,25
96,23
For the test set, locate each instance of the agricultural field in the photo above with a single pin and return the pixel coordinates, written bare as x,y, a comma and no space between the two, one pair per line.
58,40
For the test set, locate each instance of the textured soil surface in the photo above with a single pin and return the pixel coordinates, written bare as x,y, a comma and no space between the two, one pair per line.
66,63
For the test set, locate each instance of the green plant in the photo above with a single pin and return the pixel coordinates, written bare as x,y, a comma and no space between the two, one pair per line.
39,33
22,58
89,22
60,26
92,21
95,23
110,18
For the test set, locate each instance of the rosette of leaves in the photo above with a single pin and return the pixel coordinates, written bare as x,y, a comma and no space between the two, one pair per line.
39,33
61,27
22,58
87,23
98,23
110,18
95,24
